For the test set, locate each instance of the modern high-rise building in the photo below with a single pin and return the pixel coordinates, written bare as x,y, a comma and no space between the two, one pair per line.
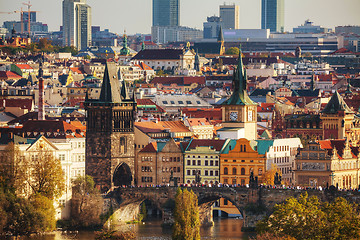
76,24
272,15
230,16
166,12
212,27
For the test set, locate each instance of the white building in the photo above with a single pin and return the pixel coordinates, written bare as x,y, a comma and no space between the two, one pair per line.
200,127
281,153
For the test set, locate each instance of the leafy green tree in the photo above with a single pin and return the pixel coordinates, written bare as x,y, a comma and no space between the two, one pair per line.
232,51
186,216
307,218
86,203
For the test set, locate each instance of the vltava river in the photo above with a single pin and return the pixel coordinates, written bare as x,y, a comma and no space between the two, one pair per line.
223,229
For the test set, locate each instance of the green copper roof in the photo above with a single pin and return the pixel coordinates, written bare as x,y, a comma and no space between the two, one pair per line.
125,50
336,104
264,145
239,96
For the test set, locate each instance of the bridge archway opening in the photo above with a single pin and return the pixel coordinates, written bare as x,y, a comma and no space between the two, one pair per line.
222,206
122,175
152,209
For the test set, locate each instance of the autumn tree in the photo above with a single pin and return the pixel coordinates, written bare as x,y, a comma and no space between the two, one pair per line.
308,218
45,175
86,203
12,169
269,175
186,216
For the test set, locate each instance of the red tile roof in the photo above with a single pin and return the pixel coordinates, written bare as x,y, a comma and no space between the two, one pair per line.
7,75
215,144
197,121
149,127
339,144
143,66
174,126
151,147
23,66
21,103
178,80
210,114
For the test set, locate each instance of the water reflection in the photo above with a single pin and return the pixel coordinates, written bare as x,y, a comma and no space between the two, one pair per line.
223,229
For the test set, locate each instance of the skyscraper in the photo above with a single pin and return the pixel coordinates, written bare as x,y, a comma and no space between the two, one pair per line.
230,16
166,12
272,15
76,24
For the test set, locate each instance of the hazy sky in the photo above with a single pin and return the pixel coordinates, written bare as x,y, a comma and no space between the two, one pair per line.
136,15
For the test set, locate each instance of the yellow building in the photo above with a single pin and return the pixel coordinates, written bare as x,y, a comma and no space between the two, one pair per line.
237,161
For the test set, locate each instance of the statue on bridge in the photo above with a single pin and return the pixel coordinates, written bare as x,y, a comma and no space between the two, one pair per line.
253,182
277,179
173,181
197,177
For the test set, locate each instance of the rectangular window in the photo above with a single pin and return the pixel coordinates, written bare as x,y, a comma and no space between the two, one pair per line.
206,162
216,173
216,163
62,157
188,162
211,173
206,172
199,162
188,172
194,162
211,162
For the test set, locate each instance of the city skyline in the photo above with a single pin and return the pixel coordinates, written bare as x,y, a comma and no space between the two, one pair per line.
116,18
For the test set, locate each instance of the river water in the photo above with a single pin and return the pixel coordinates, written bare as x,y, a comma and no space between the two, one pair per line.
229,228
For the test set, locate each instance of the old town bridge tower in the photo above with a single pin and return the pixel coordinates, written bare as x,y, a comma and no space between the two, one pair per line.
110,155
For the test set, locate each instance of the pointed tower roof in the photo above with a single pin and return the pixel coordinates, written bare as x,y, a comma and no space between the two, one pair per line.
124,92
336,104
110,89
197,61
239,96
220,37
348,88
313,82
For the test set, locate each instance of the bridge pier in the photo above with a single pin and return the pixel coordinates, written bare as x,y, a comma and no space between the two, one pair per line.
206,214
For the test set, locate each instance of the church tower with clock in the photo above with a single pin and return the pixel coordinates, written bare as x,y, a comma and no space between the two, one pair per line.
239,112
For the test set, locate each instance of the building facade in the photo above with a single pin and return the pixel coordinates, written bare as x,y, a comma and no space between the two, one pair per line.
203,157
230,16
166,12
76,24
328,162
272,15
159,163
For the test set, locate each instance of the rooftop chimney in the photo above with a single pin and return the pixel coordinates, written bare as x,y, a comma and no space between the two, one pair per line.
41,110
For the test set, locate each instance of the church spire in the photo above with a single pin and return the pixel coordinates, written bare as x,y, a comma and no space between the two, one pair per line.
313,82
239,84
220,37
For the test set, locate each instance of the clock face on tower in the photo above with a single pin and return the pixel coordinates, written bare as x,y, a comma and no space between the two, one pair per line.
233,116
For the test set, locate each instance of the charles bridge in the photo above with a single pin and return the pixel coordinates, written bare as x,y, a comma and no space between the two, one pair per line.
253,204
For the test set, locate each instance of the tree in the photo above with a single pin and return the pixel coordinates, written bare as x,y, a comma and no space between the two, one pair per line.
45,175
86,203
186,216
232,51
12,169
269,175
307,218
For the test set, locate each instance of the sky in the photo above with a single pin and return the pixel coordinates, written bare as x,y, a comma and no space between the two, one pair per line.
135,16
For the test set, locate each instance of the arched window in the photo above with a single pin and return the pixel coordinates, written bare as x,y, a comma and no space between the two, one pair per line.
242,171
260,171
226,171
234,171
